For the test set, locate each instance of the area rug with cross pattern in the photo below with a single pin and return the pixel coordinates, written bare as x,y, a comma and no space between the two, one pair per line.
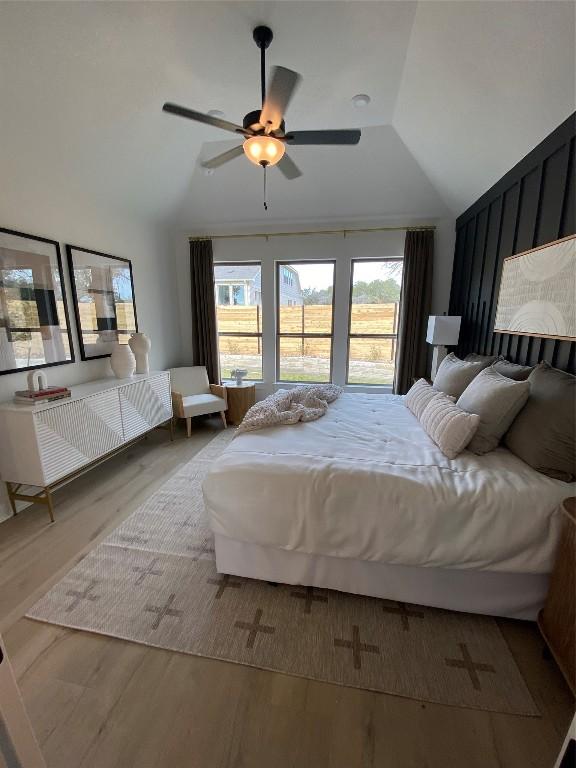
153,581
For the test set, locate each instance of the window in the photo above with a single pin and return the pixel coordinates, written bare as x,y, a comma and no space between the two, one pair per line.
222,294
238,295
239,317
227,294
373,327
288,276
304,324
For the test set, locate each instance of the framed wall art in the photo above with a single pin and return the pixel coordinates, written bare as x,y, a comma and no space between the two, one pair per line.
104,303
537,291
34,322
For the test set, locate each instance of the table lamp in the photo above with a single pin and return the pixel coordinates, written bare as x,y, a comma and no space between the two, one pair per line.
443,331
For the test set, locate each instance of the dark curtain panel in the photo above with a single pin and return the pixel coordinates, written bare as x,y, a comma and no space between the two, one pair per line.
204,335
415,298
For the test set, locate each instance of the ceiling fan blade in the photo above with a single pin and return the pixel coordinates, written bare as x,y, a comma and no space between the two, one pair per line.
282,86
200,117
289,168
323,137
224,157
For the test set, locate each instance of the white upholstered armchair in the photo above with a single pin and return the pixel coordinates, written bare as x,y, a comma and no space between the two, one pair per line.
193,395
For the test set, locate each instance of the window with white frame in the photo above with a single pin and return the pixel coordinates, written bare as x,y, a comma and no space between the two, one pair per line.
237,288
373,320
304,321
304,324
229,294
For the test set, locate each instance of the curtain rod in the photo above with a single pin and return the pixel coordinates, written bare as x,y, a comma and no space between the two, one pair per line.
344,232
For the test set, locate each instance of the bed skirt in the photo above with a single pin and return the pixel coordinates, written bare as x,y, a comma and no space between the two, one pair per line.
513,595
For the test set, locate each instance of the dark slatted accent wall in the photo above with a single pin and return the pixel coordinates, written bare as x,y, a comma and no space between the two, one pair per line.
531,205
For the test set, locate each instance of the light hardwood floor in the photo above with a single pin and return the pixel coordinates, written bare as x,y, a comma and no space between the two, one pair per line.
98,702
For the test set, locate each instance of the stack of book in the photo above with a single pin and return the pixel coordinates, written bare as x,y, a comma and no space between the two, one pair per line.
46,395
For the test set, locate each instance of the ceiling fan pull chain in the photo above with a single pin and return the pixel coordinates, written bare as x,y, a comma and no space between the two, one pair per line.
265,203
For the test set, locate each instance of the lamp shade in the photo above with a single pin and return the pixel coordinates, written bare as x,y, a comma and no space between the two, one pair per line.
443,330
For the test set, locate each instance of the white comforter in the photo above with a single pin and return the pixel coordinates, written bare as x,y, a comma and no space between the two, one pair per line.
366,482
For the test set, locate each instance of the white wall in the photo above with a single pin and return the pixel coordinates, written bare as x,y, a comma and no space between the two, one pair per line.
336,247
36,211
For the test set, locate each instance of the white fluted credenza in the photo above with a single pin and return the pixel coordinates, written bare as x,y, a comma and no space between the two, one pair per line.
47,444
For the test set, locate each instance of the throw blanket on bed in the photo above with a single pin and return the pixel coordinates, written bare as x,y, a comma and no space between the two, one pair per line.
288,406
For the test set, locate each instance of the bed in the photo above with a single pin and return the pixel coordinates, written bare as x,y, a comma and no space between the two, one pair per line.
363,501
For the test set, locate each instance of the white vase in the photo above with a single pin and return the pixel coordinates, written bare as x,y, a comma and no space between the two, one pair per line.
122,361
140,346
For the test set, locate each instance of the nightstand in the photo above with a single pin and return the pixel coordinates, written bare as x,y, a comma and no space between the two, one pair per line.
557,620
241,397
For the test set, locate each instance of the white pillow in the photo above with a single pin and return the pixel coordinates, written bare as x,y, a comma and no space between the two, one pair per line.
418,397
454,375
448,425
497,400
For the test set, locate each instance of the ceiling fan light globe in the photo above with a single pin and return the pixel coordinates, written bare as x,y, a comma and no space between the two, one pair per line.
255,149
267,149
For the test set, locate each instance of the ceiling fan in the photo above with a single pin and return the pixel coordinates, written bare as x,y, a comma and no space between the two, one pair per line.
263,129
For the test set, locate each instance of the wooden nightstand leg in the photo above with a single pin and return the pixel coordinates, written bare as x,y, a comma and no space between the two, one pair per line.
223,414
189,426
557,619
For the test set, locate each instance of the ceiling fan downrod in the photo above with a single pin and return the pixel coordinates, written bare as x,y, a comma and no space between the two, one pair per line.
263,36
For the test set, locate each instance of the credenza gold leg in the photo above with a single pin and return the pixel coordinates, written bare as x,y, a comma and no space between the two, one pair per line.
43,496
48,497
11,499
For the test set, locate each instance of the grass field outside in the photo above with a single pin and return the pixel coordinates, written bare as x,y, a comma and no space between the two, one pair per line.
311,369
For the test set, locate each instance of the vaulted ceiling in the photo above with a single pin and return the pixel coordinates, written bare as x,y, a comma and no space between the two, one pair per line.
460,92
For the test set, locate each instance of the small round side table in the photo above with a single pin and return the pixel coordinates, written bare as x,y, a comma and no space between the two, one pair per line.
240,399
